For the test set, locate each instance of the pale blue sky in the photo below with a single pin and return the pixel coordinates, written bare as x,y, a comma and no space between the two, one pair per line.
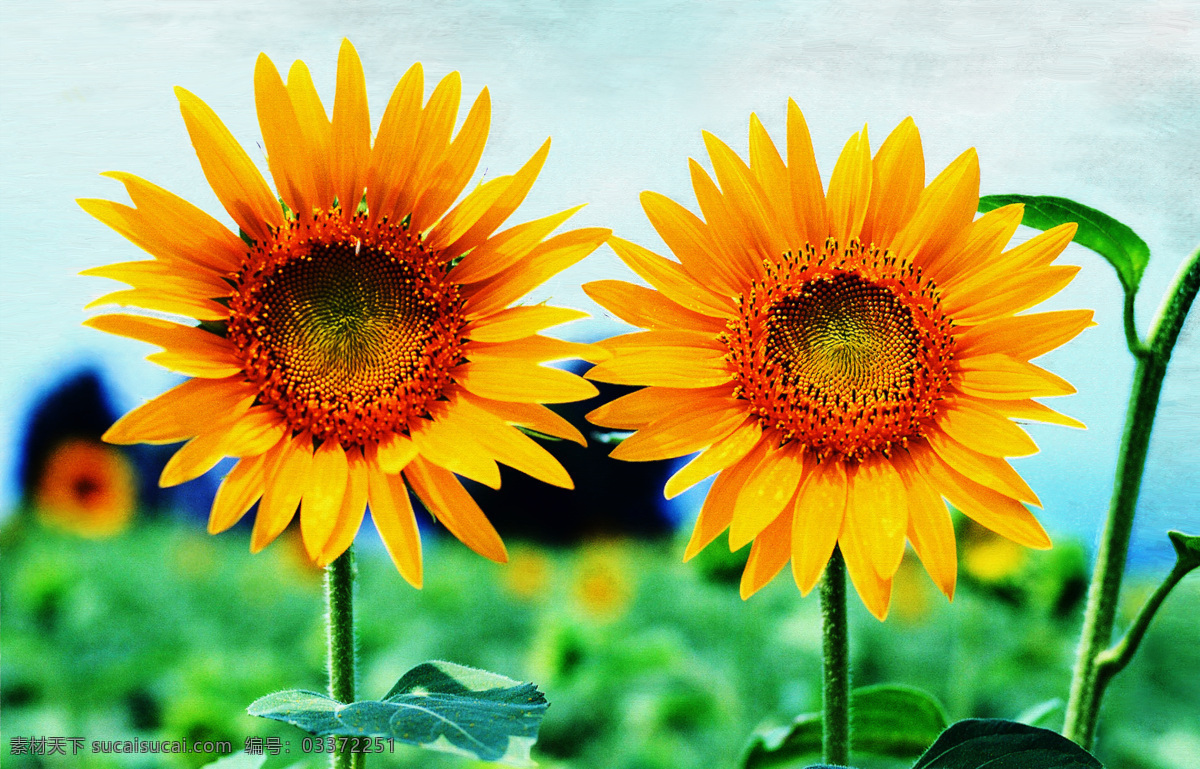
1099,101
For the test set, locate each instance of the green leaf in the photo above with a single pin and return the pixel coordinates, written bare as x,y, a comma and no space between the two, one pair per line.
886,720
1113,240
1187,548
610,437
998,744
239,760
436,705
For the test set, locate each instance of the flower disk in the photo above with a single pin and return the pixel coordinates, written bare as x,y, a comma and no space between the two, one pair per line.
843,360
349,329
348,356
843,351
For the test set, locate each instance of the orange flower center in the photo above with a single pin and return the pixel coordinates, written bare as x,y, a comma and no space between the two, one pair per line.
349,329
843,350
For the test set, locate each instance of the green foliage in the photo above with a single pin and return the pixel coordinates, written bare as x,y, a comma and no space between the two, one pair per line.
1187,549
166,632
436,705
239,760
1113,240
996,744
886,720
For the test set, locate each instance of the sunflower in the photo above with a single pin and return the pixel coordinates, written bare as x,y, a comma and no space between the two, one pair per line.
356,341
843,360
87,488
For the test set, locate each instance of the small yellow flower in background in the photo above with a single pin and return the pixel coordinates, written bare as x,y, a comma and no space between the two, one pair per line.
358,342
87,488
528,574
988,557
602,584
843,359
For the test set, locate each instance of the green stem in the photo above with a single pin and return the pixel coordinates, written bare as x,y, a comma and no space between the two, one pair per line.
1114,660
1083,706
1132,341
339,590
835,646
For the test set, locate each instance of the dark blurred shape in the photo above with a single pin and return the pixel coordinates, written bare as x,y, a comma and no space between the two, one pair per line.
80,407
611,498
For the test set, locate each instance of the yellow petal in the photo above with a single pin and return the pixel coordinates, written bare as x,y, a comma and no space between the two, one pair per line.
190,350
980,428
517,322
746,197
808,196
229,170
684,432
875,591
512,447
929,526
772,174
392,513
877,514
999,377
1023,337
945,208
640,408
850,188
351,131
770,553
543,262
169,227
328,478
738,256
722,454
510,195
391,190
993,472
176,303
691,241
533,416
717,510
768,491
1032,410
284,140
449,443
433,139
237,493
670,278
457,165
351,512
394,452
183,411
1002,514
645,307
897,178
506,380
316,131
287,473
665,367
819,511
507,248
446,499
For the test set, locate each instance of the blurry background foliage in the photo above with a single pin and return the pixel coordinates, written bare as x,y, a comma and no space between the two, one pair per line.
163,632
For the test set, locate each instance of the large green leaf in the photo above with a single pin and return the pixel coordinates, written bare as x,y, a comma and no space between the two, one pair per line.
997,744
1113,240
436,705
886,720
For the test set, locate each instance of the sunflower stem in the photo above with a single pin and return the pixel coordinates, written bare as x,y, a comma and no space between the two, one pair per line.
339,592
835,646
1083,705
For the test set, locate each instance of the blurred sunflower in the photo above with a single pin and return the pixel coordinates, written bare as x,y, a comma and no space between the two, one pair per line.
87,488
356,341
843,360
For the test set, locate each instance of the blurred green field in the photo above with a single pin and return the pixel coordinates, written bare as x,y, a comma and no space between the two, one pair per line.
648,663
